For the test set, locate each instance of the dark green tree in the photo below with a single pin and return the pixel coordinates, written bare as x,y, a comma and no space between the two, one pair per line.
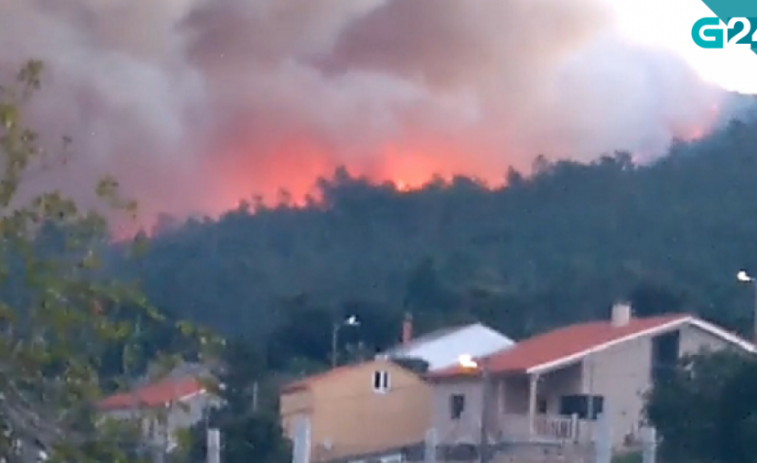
650,298
705,412
303,331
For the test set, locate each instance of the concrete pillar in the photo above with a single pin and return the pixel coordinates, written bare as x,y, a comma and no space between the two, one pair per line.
533,384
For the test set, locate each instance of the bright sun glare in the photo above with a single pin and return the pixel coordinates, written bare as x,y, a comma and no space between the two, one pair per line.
667,24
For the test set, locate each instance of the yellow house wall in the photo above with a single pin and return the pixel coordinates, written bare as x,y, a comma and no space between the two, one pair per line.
348,417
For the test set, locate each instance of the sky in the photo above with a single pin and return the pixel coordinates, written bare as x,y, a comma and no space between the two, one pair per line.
668,23
196,105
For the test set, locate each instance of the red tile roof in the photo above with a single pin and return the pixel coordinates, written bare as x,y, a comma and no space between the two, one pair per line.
154,395
565,343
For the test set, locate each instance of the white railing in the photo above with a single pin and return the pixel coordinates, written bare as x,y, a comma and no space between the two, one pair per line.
556,427
546,428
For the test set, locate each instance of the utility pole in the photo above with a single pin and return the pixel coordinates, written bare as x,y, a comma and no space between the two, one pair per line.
301,440
162,441
430,444
334,343
754,312
214,446
603,439
649,453
350,321
744,277
483,440
255,389
467,362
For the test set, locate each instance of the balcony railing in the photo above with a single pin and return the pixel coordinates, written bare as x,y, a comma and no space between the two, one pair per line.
556,427
549,428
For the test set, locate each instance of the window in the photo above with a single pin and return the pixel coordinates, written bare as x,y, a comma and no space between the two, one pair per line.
542,406
665,353
456,406
380,381
585,406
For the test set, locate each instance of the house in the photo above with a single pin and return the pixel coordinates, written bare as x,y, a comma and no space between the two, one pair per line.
358,409
163,408
381,405
550,388
442,348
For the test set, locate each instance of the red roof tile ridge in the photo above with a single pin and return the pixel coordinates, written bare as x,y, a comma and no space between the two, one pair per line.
154,394
566,342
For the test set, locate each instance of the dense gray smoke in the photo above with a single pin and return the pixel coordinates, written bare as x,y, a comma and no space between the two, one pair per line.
196,104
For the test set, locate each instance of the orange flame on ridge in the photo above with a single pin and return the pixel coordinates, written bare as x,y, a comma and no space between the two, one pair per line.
296,165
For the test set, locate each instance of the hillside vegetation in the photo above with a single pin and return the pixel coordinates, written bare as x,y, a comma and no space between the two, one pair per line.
556,246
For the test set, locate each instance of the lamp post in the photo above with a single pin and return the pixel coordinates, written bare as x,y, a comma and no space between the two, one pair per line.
467,362
349,321
744,277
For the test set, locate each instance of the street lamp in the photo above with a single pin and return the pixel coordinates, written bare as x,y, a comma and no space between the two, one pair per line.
349,321
469,363
744,277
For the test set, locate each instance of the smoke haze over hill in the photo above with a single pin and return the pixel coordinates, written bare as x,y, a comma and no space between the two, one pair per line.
196,104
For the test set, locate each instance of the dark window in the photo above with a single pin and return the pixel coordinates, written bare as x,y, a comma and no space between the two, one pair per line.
665,354
586,407
541,406
381,381
456,406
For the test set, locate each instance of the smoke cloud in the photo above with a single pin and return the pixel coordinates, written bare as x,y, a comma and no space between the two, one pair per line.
196,104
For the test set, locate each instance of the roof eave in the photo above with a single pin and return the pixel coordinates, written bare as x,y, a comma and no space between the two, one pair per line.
292,388
702,324
573,358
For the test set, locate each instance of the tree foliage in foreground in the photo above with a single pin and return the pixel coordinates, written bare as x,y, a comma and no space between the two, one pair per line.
707,411
59,313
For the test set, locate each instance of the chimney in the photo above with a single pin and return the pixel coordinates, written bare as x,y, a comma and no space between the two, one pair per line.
407,328
621,314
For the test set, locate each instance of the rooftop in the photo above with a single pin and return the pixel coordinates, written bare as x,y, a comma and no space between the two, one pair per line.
306,382
442,348
566,345
154,395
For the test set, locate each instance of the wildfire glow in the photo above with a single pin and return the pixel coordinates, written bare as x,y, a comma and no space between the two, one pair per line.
700,130
411,165
295,167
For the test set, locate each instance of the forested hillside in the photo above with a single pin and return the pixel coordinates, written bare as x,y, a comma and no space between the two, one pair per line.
553,247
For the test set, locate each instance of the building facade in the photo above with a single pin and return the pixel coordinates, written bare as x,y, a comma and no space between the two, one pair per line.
551,388
161,409
358,409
